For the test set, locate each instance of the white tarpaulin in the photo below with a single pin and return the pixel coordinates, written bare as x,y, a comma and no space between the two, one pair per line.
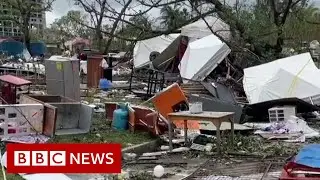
199,29
284,78
202,57
142,49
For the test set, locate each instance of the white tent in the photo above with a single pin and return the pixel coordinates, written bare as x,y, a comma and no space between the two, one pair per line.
202,57
199,29
288,77
142,49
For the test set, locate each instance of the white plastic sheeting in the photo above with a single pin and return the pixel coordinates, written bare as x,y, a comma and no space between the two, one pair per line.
202,57
142,49
288,77
199,29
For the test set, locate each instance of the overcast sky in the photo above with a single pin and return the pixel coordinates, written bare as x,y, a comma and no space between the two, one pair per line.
61,7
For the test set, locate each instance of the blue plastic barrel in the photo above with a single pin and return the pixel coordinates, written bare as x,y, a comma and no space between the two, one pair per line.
105,84
120,117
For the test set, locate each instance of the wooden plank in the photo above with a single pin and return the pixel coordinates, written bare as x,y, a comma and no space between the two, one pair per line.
49,122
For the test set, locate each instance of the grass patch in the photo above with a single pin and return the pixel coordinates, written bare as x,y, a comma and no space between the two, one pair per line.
101,132
11,176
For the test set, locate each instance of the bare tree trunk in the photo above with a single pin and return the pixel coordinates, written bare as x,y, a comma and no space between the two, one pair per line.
26,32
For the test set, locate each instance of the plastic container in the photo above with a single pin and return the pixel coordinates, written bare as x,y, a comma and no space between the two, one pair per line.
105,84
120,117
195,108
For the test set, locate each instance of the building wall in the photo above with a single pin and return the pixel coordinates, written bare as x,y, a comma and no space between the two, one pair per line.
9,28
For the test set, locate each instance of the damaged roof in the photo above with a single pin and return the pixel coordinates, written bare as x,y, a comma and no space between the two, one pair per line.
14,80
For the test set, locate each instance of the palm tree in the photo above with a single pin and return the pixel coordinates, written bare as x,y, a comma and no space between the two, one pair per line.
173,17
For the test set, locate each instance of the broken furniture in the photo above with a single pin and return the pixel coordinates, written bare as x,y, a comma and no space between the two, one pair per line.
62,77
218,105
215,117
170,99
62,115
21,119
140,118
9,85
154,79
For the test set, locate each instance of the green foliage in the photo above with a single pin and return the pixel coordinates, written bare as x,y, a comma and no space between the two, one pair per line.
262,31
22,12
172,17
135,29
67,27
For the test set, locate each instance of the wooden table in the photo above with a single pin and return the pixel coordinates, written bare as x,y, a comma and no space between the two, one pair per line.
215,117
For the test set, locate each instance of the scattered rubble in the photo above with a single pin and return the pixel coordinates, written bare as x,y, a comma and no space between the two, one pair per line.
245,124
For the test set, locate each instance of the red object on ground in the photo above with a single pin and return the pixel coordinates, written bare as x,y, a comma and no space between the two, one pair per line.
286,176
292,166
9,86
14,80
140,118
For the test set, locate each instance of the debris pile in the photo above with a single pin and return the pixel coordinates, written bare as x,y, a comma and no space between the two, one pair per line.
187,92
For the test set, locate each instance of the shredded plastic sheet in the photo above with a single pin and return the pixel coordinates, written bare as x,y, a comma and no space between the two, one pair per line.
309,156
293,125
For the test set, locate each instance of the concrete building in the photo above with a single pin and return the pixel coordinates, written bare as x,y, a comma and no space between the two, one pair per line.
9,28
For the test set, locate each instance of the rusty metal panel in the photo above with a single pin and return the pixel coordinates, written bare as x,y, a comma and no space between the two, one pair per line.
110,107
49,122
94,71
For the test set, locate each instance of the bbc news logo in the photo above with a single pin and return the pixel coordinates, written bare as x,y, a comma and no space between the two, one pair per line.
64,158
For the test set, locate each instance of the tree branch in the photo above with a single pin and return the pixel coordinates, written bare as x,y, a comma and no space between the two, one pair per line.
115,24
